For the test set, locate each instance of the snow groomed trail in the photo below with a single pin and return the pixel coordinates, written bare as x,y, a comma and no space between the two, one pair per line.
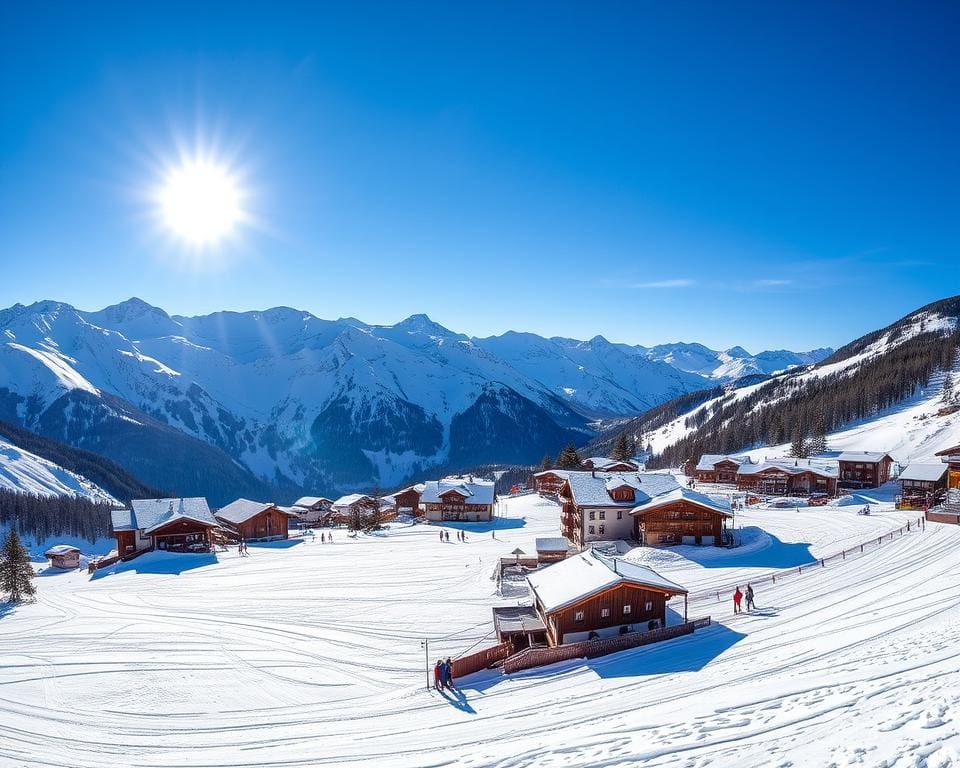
310,654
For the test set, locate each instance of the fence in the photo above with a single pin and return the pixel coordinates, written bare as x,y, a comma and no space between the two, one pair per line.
912,525
467,665
538,657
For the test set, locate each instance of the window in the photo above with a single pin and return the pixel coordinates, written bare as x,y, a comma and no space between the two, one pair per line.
603,515
649,606
590,529
593,515
619,514
604,613
578,616
626,609
602,530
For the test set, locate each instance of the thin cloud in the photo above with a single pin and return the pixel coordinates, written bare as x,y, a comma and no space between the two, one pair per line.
771,282
683,282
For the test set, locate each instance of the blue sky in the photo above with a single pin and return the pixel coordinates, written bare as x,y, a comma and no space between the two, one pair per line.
748,174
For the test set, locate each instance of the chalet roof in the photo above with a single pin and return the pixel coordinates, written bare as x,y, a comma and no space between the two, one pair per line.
590,573
351,499
709,460
928,472
476,491
790,467
683,494
309,501
517,618
241,510
552,544
955,451
558,472
869,457
602,462
145,514
60,549
592,489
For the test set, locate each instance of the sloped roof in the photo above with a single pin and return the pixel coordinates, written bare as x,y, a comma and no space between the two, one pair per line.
592,489
955,451
602,462
683,494
60,549
590,573
145,514
309,501
475,491
709,460
351,499
872,457
928,472
791,467
558,472
241,510
513,618
552,544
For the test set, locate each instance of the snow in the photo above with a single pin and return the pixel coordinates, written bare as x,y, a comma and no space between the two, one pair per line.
684,494
26,472
305,654
924,472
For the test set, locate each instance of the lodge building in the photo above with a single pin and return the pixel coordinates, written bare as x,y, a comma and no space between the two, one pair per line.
864,469
603,464
680,516
172,525
922,485
465,499
951,457
785,477
719,468
255,520
313,509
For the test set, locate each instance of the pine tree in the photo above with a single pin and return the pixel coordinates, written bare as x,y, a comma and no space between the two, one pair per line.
621,449
948,389
568,458
818,443
16,572
799,447
547,462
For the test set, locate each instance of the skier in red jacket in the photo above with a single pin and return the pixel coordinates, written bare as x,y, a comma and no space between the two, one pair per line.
436,675
737,597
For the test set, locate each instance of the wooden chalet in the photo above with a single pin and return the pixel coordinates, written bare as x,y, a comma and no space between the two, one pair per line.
922,486
590,595
596,505
171,525
466,499
719,468
552,549
549,481
346,507
520,626
951,457
864,469
255,520
313,509
603,464
788,477
407,501
681,516
63,556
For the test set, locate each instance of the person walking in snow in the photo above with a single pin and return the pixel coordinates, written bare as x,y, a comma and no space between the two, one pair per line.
323,538
438,675
464,537
447,534
448,666
749,596
330,538
737,597
441,537
444,674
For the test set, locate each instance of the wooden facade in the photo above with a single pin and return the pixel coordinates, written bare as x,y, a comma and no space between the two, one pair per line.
784,481
408,501
864,472
548,482
272,523
679,522
63,556
622,605
184,535
724,471
951,457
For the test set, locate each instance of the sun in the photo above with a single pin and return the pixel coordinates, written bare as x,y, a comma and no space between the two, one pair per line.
200,202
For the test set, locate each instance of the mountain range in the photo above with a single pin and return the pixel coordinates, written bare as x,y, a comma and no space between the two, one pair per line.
268,404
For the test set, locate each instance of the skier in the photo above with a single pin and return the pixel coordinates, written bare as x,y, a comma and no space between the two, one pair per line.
750,605
323,538
449,666
438,675
441,537
447,534
464,537
330,538
737,597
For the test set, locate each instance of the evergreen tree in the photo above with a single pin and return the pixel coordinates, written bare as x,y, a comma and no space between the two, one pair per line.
799,447
818,443
568,458
16,572
547,462
621,449
948,389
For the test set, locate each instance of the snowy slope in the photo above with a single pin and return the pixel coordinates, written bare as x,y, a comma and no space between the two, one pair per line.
26,472
733,363
189,660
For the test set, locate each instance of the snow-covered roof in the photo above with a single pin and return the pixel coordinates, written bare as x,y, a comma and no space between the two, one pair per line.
552,544
790,467
350,499
241,510
475,491
927,472
60,549
870,457
558,472
955,451
145,514
683,494
513,618
590,573
602,462
709,460
309,501
592,489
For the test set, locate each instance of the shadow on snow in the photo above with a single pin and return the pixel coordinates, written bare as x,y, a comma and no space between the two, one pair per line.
165,563
759,550
497,524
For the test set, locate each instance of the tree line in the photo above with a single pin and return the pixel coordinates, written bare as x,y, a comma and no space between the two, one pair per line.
46,517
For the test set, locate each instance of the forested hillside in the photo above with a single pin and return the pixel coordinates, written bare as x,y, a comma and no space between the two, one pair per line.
44,517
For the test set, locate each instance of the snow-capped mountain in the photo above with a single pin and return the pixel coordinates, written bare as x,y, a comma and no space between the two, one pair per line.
261,403
733,363
25,472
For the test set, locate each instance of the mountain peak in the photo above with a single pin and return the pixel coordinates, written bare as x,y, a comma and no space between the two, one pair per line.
738,352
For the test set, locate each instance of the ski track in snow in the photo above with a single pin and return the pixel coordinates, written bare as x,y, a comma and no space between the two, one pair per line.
310,655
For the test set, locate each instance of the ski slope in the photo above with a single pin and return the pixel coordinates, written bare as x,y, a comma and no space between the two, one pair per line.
26,472
309,654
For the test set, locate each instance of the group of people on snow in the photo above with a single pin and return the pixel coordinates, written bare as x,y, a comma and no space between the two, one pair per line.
739,597
445,536
443,674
